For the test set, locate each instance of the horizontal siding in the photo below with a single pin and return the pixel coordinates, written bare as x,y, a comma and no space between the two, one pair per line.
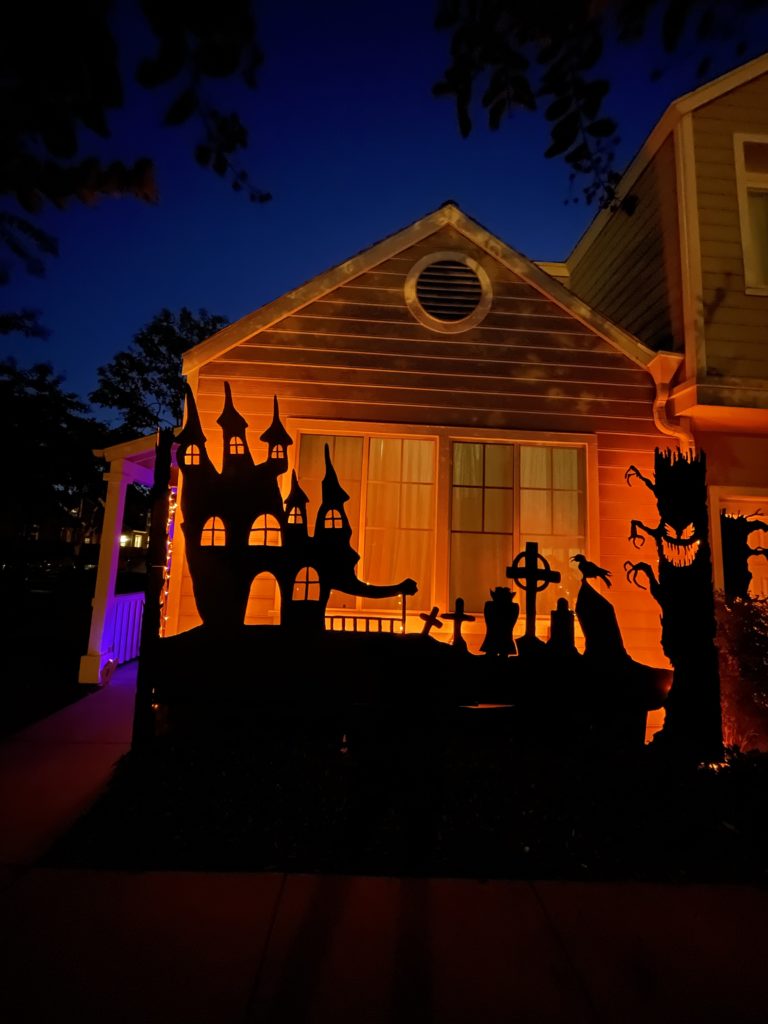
631,270
359,355
735,324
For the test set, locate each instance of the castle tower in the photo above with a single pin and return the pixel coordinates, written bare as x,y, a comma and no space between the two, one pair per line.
332,525
296,508
192,453
278,439
237,455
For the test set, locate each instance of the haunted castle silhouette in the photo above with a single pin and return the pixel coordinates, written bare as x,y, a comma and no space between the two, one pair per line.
237,525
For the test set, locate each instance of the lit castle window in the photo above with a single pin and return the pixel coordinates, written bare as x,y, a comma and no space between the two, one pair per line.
294,515
265,532
278,452
306,586
236,446
192,456
213,535
333,520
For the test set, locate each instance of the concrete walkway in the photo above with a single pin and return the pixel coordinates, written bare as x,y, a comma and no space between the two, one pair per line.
157,948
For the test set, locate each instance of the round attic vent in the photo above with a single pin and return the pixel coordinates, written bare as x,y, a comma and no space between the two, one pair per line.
448,291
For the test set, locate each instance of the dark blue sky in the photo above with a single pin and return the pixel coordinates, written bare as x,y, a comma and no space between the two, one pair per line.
346,135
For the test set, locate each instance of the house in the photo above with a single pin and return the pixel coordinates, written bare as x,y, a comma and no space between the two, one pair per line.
470,400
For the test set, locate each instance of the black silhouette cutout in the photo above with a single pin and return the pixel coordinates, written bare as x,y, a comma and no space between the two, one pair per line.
561,629
500,614
431,619
237,526
734,536
590,571
684,591
457,617
529,577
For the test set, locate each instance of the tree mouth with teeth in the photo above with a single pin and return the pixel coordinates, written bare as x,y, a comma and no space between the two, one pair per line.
680,547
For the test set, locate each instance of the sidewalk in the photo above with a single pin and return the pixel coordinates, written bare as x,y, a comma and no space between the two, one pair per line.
157,948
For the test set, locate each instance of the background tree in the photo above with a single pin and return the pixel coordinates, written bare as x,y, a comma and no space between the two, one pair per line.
546,54
143,382
48,463
64,76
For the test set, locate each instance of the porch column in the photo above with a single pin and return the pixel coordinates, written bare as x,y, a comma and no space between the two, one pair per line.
118,477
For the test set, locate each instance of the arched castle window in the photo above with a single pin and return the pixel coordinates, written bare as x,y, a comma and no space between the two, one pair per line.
306,586
333,520
294,516
214,535
265,532
236,446
278,452
192,456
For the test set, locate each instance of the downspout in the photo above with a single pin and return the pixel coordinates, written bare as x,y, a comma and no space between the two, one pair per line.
663,368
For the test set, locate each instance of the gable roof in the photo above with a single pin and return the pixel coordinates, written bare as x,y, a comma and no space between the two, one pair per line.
661,131
447,214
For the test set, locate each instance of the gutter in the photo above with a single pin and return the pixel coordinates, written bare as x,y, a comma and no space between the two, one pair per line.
663,368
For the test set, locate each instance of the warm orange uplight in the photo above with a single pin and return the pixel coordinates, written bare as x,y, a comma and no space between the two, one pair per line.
236,446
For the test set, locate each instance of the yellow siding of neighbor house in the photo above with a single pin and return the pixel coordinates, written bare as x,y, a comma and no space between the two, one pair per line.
735,324
358,355
630,271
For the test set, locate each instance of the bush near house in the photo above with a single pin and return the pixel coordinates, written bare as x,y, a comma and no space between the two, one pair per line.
742,637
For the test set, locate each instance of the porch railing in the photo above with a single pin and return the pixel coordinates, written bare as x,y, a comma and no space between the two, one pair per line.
363,624
123,627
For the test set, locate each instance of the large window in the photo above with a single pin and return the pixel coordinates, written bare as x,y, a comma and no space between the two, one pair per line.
504,495
752,181
391,484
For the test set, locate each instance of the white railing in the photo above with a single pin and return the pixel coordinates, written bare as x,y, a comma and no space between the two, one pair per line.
363,624
122,632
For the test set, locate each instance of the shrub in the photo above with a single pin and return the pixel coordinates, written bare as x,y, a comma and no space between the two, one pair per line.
742,639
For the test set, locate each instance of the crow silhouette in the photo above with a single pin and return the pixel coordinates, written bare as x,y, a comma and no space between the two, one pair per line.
590,571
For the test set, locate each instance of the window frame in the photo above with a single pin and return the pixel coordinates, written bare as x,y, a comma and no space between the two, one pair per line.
746,181
444,438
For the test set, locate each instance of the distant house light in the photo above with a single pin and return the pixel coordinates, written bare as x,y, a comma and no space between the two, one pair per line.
124,538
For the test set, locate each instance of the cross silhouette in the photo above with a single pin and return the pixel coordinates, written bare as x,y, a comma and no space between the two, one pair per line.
530,578
430,619
457,616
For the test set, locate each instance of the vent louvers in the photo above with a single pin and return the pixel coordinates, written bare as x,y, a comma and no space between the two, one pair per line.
449,290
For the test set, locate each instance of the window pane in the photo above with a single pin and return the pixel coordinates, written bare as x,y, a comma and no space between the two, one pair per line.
565,512
468,464
391,557
536,513
478,563
347,458
499,511
311,457
499,465
416,506
565,469
419,462
384,458
535,466
467,509
758,223
383,505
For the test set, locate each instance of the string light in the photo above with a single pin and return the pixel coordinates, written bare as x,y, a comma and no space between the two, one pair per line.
169,527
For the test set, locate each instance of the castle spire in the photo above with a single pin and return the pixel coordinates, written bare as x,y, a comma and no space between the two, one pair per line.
296,504
276,436
334,494
233,427
192,431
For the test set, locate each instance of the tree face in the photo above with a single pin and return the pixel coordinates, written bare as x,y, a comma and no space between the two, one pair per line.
143,382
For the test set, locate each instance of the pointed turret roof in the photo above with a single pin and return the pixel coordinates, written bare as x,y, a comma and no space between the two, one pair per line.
333,493
296,497
230,419
276,432
192,431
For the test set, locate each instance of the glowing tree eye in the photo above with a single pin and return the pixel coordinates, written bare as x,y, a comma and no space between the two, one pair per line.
687,532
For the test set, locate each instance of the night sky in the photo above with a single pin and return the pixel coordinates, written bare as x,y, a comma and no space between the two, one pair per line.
347,137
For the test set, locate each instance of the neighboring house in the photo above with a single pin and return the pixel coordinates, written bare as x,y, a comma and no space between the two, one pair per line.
473,400
688,272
